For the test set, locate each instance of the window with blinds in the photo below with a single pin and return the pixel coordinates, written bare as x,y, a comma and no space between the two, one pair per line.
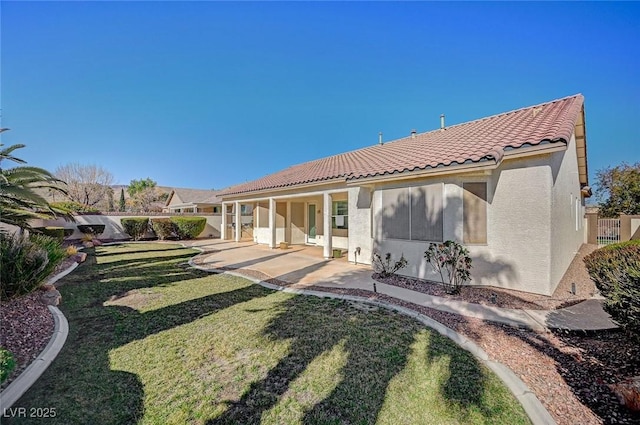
474,208
413,213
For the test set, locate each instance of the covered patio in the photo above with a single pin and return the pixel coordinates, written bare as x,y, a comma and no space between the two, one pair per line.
318,218
299,264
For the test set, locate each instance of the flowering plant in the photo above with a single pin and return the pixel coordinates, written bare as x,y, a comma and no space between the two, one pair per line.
451,259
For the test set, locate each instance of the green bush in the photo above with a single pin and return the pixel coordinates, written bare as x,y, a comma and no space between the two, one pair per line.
55,252
72,206
91,229
164,228
189,227
26,262
54,232
136,227
615,269
7,364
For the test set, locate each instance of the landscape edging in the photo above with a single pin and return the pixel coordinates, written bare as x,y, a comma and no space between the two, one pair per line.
36,368
30,375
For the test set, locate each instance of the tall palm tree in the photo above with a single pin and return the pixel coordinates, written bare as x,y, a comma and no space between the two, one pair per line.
19,200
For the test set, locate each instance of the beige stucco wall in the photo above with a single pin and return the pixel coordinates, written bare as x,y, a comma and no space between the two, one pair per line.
567,213
360,199
113,228
517,252
516,255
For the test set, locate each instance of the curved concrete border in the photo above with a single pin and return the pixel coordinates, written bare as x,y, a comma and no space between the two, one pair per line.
62,274
30,375
26,379
538,414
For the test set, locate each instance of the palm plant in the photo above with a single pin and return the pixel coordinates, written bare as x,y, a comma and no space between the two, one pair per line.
19,199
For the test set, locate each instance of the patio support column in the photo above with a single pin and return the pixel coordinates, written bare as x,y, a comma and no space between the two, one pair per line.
272,223
223,225
287,224
327,226
238,222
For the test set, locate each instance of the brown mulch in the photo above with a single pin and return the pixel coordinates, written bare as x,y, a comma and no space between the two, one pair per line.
576,274
26,327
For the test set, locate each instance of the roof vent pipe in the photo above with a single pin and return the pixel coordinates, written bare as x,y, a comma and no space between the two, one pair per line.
442,122
413,133
380,138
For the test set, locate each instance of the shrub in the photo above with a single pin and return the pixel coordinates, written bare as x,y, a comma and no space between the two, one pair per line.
26,262
615,269
384,267
55,252
73,206
452,259
189,227
7,364
71,250
91,229
136,227
164,228
54,232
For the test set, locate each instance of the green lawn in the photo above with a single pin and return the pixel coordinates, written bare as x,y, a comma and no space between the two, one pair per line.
154,341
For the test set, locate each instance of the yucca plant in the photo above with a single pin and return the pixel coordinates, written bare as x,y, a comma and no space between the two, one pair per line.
27,261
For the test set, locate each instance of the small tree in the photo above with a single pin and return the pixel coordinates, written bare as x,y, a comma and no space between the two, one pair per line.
86,184
618,190
122,206
143,193
385,268
110,204
451,259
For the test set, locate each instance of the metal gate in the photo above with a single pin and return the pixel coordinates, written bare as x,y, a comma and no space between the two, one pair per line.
608,231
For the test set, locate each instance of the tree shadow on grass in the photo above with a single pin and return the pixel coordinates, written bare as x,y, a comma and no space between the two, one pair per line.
465,384
80,384
313,327
377,346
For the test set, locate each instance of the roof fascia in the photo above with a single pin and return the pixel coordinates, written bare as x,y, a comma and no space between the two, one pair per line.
439,171
169,198
580,134
269,193
523,152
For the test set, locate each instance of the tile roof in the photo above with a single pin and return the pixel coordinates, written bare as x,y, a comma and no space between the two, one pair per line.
196,196
474,141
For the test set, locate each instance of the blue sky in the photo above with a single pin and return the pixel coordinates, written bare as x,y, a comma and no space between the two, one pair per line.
210,94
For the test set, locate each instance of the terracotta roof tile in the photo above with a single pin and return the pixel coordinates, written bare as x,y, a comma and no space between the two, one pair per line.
474,141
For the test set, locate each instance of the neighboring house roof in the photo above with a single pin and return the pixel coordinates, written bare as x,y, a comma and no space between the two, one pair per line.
486,139
194,196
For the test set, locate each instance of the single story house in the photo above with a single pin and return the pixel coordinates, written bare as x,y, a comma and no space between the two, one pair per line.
510,187
193,201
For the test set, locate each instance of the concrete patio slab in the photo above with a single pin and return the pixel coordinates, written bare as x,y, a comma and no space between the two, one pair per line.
305,266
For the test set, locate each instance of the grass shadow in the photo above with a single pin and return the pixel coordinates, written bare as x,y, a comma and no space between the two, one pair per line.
80,383
332,324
